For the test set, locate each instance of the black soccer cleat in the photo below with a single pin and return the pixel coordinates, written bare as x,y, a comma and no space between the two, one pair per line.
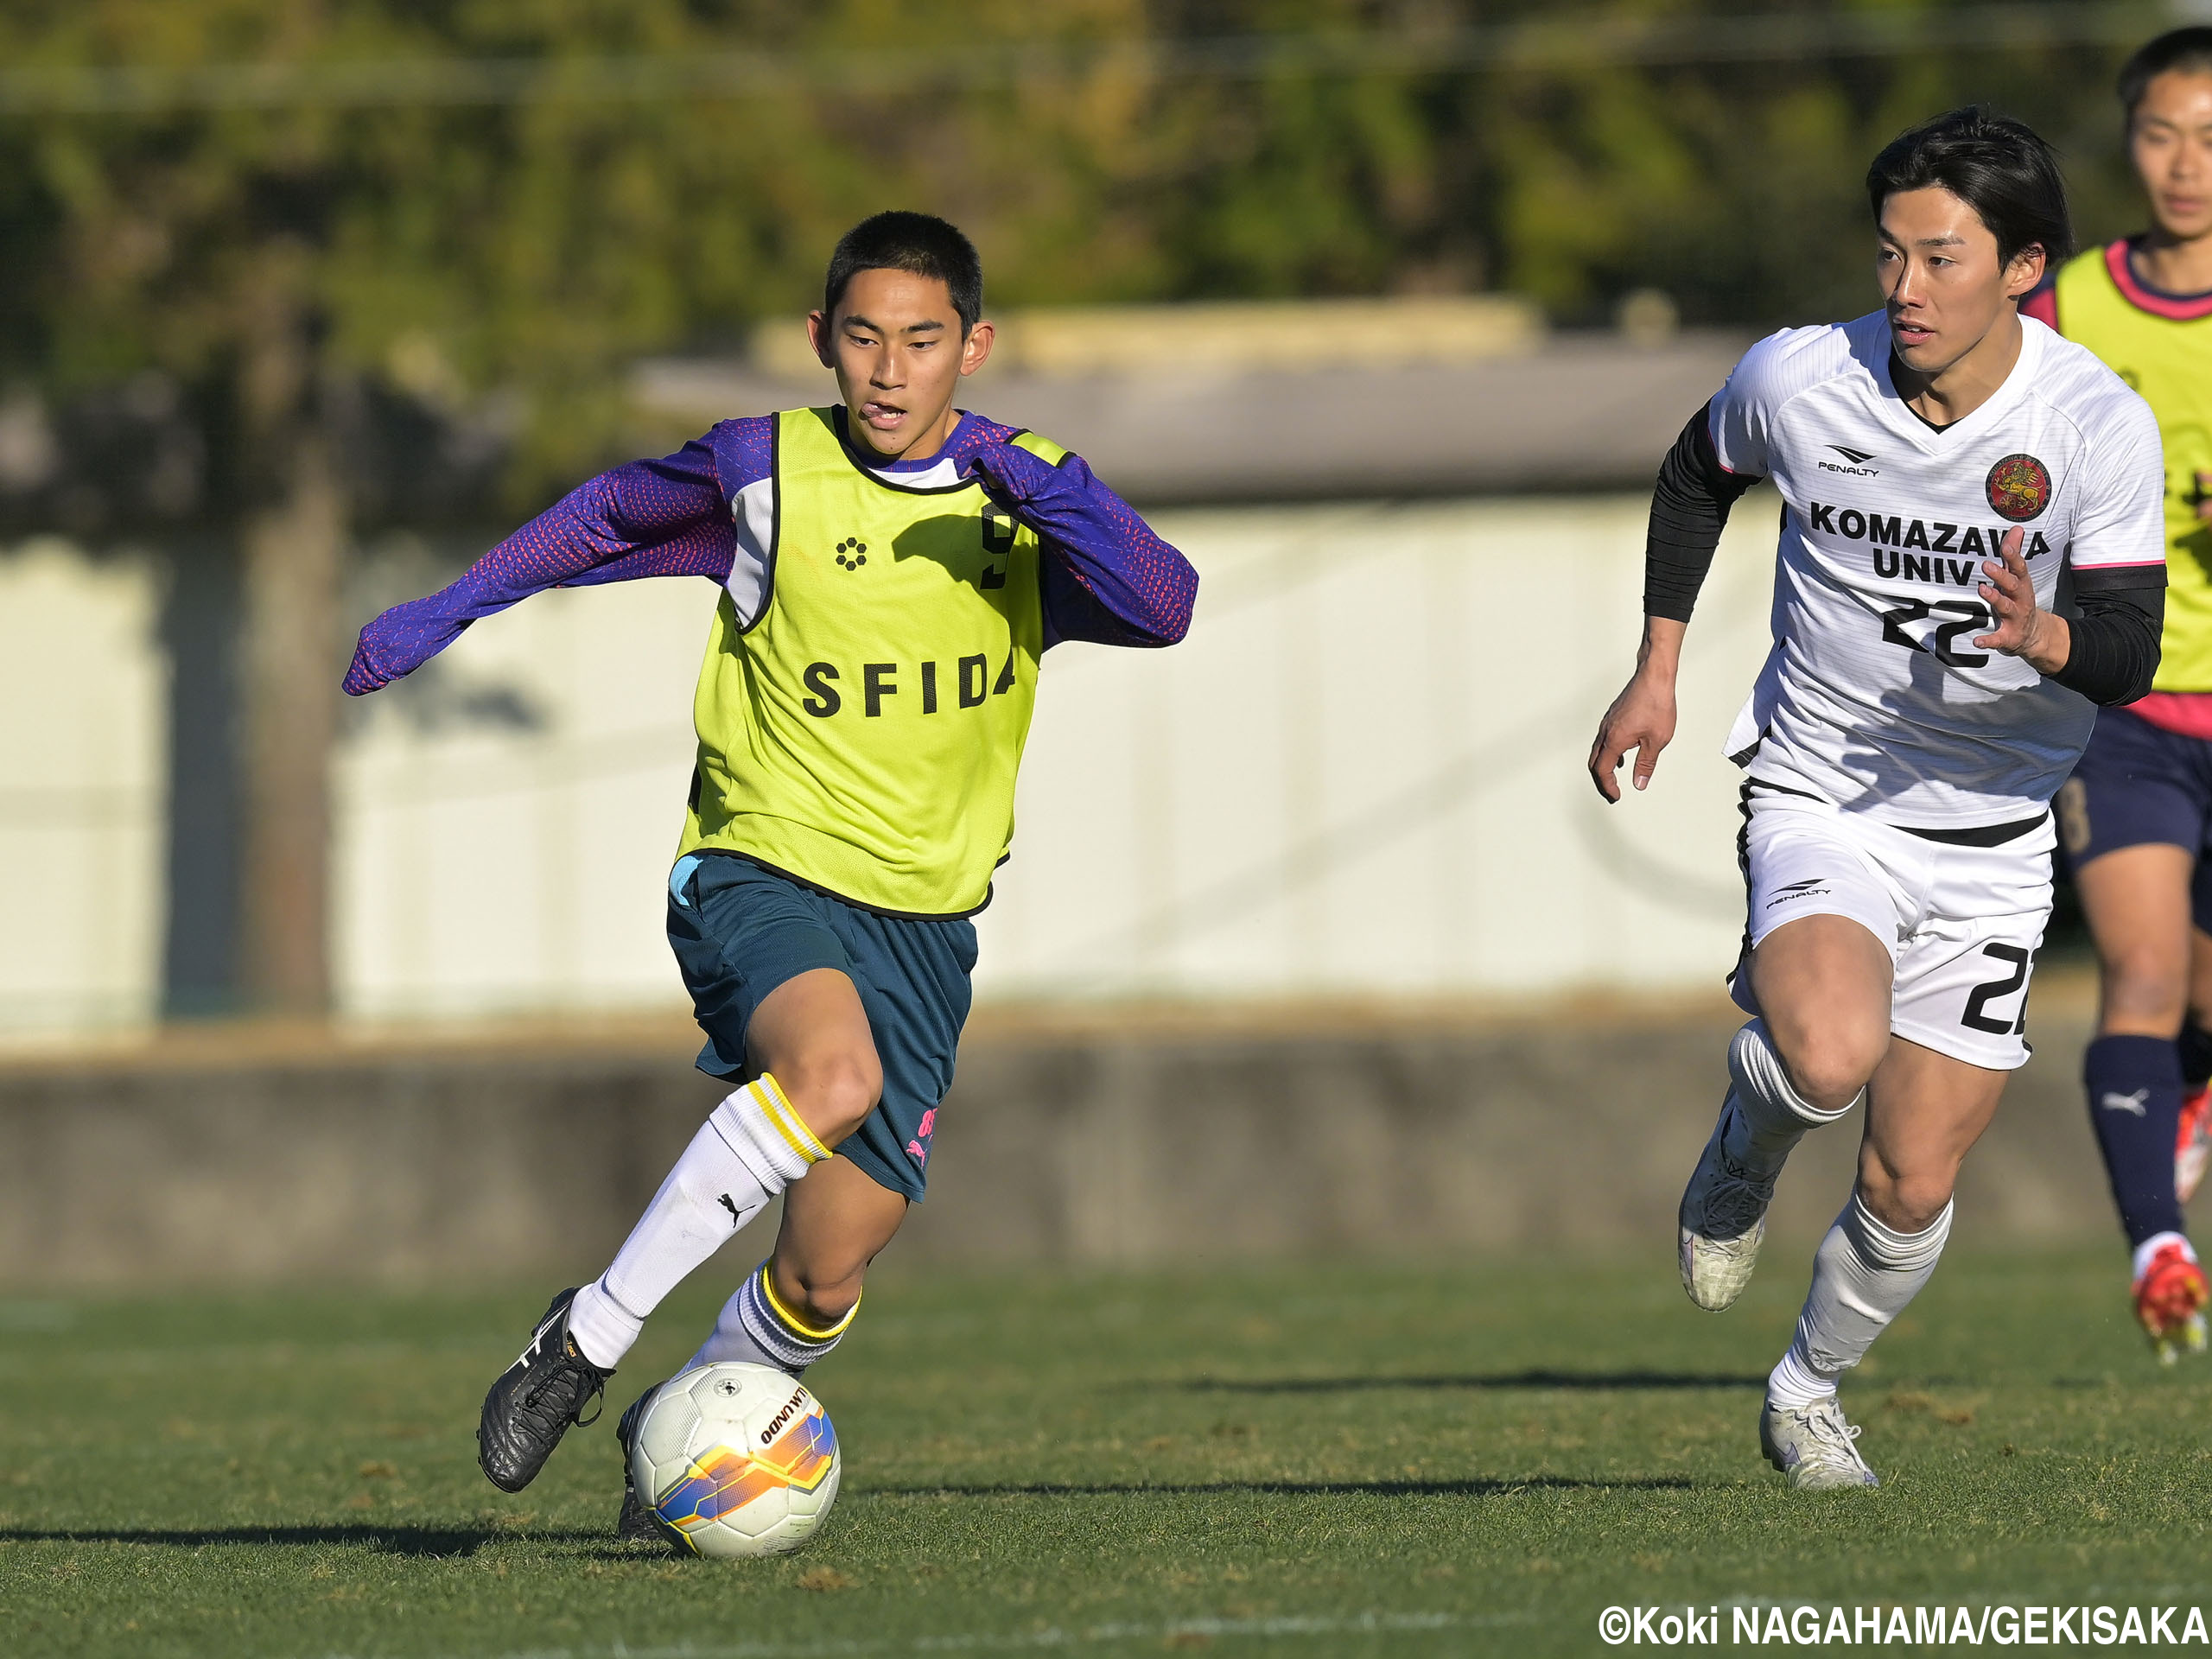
535,1401
635,1524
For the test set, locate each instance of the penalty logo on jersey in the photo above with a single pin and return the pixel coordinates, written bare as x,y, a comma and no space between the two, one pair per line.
2020,487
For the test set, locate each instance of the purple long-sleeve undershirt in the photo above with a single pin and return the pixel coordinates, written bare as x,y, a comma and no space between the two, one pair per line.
1106,576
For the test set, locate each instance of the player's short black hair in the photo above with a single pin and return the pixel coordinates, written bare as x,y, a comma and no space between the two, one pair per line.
1996,165
2178,48
919,243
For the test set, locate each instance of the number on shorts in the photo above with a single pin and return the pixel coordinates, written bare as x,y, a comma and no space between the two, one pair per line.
1974,1019
1942,642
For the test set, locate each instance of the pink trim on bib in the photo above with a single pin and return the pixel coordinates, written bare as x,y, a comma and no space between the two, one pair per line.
2185,714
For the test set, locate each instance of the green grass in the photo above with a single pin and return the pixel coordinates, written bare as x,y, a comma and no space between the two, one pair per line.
1356,1460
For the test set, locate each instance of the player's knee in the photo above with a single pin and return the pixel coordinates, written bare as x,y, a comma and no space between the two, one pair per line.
1829,1067
833,1090
2143,984
821,1296
1906,1201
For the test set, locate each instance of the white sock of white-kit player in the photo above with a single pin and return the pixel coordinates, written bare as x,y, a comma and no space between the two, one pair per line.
1770,1116
758,1327
751,1148
1863,1276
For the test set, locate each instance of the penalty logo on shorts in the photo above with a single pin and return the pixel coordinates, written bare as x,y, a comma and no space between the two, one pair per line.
2020,487
1812,887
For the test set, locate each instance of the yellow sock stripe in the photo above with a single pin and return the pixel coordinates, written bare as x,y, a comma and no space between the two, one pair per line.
777,1107
791,1322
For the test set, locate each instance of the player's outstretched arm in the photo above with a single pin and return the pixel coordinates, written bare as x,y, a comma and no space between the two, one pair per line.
1109,578
1643,716
1690,502
648,518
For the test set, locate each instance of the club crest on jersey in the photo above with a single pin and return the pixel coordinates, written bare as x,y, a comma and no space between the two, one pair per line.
2020,487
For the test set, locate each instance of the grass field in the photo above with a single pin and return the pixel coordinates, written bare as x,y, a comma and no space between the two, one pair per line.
1346,1461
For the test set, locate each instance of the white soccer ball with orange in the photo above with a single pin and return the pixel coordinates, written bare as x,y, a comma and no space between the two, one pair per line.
735,1460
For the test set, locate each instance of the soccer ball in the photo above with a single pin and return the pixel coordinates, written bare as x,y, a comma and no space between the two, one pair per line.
735,1460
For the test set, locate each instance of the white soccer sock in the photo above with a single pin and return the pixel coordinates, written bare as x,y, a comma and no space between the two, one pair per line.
1863,1276
756,1327
751,1148
1770,1116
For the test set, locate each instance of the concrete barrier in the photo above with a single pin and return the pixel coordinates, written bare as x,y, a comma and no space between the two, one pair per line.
1138,1139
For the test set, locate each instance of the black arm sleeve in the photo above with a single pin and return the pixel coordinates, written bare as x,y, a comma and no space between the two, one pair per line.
2115,649
1689,509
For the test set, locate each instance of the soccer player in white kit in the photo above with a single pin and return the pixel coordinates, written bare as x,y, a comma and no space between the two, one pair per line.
1971,560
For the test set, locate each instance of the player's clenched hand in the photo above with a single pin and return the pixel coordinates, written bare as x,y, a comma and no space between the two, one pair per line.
2023,629
1643,716
362,675
1005,472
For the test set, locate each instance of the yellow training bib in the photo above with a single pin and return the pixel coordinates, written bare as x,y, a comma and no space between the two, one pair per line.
863,735
2168,360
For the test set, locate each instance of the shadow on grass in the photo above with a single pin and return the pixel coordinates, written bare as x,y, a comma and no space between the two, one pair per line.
429,1543
1586,1381
423,1541
1293,1488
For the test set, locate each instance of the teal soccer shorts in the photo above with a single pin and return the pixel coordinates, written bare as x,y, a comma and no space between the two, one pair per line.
739,929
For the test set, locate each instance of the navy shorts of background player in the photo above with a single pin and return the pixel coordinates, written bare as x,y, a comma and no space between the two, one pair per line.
2139,785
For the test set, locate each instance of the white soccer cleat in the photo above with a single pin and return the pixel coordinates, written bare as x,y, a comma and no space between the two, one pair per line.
1815,1446
1723,1219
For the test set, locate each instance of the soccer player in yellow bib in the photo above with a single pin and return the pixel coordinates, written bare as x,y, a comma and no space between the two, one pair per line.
892,571
2136,817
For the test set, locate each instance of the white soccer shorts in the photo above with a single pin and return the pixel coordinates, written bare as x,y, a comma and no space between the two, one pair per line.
1962,924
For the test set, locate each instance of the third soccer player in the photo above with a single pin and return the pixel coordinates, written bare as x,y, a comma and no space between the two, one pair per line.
2137,813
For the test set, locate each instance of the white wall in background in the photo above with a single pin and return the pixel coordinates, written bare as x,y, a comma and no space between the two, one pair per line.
507,815
83,757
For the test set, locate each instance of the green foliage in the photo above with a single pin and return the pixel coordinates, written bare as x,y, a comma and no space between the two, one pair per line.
1738,188
531,250
1477,1459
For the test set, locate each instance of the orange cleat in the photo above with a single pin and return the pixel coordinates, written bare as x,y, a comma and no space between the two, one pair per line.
2169,1301
2193,1141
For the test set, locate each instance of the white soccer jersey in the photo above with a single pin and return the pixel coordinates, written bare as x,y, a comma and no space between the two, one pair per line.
1873,696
